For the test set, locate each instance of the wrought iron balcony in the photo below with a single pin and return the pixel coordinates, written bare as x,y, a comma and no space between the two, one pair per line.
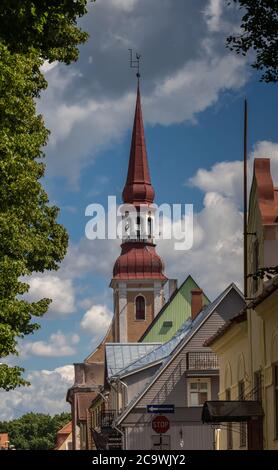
106,419
199,360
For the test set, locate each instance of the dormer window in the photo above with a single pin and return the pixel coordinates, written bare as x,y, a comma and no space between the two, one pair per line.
140,308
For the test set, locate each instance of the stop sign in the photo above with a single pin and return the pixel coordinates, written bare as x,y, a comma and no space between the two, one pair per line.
160,424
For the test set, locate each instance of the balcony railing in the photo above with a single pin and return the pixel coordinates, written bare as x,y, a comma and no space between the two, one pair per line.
201,361
106,419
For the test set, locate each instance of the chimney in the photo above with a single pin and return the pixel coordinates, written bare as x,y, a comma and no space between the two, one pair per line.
196,302
173,285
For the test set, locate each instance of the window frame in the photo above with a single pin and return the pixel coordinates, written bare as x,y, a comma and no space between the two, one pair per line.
135,307
198,380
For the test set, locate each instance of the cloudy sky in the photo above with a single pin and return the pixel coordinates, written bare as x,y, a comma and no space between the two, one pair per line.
192,94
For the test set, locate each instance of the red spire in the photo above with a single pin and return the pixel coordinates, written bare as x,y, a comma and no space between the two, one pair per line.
138,187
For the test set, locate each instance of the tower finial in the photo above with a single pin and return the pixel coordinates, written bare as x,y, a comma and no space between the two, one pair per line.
135,63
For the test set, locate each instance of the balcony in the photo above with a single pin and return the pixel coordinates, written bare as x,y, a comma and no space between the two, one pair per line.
106,420
201,361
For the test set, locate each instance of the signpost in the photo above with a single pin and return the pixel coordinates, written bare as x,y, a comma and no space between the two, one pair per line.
160,424
161,409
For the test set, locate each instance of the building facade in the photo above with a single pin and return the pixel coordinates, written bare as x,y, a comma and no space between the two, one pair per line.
247,346
180,372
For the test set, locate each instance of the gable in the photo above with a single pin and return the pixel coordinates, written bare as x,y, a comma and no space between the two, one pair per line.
175,312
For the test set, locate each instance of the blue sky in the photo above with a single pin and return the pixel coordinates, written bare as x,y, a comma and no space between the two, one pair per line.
192,91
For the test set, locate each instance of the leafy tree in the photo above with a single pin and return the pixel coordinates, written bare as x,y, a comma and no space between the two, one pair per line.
34,431
259,32
30,238
49,26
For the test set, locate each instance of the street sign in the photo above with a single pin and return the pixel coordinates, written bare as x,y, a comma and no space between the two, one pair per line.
161,409
160,424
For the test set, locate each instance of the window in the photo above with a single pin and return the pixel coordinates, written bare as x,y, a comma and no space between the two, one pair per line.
140,308
276,398
138,222
149,227
242,425
258,386
229,425
198,391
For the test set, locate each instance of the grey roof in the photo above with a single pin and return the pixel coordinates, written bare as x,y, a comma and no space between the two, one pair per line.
161,353
120,355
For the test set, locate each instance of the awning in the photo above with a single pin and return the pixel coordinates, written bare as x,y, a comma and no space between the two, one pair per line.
231,411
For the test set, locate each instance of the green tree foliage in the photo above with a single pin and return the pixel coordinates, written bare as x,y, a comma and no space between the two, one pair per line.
34,431
49,26
259,32
30,238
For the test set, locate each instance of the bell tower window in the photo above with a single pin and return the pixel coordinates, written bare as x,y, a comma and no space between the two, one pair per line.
140,308
138,222
149,227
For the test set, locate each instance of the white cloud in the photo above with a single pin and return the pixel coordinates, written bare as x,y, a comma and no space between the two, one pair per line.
59,345
87,111
223,177
216,256
91,256
53,286
126,5
215,259
96,320
47,66
47,394
226,178
192,89
213,13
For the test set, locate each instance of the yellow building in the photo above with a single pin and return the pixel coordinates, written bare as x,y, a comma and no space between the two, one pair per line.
247,346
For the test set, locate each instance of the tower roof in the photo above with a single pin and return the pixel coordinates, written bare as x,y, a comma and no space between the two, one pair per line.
138,188
138,261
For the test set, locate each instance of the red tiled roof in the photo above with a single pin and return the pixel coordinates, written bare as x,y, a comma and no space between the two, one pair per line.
67,429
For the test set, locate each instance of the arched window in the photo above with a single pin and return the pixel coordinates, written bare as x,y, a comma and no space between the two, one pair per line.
149,227
138,222
140,308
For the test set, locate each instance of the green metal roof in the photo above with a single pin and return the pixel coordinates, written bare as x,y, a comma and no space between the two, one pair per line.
173,314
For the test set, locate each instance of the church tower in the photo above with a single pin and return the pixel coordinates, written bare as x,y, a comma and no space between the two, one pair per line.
138,277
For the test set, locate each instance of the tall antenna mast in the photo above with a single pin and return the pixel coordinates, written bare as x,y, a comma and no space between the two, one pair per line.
135,63
245,196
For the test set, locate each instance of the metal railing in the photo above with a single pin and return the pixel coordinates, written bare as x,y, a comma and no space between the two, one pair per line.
199,360
107,418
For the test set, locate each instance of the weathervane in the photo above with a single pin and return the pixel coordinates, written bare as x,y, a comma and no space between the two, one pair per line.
135,63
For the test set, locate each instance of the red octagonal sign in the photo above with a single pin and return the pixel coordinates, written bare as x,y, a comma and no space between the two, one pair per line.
160,424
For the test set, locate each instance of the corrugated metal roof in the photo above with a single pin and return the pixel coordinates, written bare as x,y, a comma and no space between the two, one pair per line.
161,353
120,355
